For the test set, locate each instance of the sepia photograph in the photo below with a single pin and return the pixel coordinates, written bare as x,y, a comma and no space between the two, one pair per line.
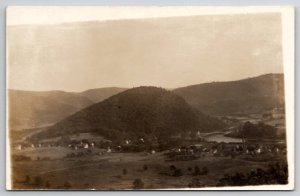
149,98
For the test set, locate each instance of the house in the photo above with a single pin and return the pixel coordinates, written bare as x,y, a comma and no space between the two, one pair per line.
19,147
258,151
108,150
86,145
198,134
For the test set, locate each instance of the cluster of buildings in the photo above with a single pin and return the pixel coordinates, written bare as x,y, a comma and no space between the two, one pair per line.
224,149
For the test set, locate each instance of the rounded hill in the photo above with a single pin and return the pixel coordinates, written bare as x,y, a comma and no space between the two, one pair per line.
136,112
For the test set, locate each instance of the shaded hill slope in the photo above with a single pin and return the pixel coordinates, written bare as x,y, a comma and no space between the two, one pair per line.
243,96
136,112
30,109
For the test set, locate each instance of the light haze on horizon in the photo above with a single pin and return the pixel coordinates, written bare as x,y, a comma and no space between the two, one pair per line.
167,52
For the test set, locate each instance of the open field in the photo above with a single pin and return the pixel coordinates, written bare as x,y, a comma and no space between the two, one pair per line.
106,171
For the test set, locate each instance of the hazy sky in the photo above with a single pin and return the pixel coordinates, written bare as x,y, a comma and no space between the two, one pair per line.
158,51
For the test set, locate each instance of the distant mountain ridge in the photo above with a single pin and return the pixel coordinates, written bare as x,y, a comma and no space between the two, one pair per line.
29,109
251,95
99,94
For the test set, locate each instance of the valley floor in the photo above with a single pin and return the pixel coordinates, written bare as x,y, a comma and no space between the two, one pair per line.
120,170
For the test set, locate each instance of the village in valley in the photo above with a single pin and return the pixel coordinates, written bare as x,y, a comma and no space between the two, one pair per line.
185,160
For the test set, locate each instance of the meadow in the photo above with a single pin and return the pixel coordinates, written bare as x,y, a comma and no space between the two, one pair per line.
121,170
